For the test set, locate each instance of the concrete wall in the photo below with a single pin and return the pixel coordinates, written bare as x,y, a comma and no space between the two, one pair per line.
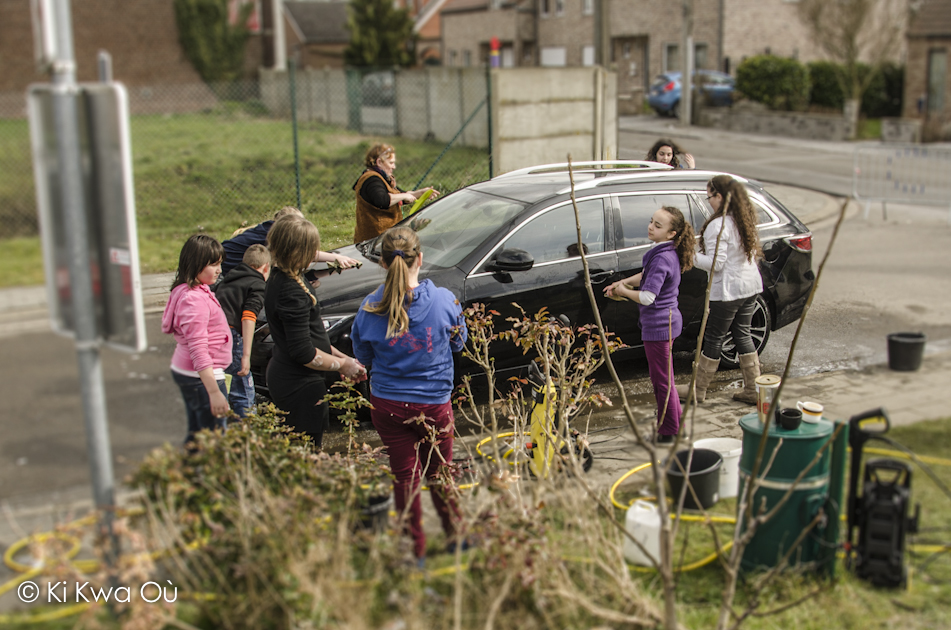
431,103
540,115
787,124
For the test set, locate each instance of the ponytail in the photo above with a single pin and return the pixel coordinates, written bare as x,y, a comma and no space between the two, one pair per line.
685,240
400,251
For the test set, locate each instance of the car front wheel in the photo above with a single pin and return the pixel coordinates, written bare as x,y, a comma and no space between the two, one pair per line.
759,331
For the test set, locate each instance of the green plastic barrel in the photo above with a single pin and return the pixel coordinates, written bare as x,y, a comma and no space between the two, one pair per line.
819,490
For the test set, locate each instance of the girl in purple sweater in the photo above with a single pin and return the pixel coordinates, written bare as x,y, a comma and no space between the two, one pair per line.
194,316
655,290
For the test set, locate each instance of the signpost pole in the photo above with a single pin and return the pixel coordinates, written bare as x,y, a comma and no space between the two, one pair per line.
69,165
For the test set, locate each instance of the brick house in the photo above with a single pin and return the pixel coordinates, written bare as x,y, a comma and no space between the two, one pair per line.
927,94
645,35
141,36
316,33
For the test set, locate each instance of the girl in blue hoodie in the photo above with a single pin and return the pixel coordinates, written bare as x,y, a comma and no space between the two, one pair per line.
405,333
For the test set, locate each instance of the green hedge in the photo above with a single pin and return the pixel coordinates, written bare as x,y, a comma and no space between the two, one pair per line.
778,82
882,98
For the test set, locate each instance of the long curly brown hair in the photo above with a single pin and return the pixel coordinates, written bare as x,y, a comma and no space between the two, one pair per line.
736,204
685,239
664,142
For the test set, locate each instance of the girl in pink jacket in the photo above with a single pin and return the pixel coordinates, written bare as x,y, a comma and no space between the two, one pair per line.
194,316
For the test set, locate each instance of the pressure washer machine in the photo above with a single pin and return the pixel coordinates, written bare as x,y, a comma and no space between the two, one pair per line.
880,514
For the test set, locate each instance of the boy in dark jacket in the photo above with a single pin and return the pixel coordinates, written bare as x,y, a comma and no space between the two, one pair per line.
241,294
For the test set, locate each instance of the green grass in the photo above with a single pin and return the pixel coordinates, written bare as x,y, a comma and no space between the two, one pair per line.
870,129
217,171
848,602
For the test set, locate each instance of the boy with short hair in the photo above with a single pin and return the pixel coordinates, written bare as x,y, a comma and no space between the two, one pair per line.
241,294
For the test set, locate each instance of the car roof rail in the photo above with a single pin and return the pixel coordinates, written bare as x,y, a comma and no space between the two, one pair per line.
597,166
633,177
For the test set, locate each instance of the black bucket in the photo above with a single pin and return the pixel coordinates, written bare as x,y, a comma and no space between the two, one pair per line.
375,515
905,350
703,476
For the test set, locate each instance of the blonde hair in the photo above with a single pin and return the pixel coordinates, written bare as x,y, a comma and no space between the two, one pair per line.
293,242
400,251
286,210
376,152
256,256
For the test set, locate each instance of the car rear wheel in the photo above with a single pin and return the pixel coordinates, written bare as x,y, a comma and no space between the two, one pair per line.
675,110
759,330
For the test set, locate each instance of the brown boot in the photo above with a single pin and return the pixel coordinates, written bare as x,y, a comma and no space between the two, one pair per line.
705,371
749,363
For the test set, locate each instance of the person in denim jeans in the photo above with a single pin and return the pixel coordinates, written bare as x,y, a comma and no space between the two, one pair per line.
203,338
241,294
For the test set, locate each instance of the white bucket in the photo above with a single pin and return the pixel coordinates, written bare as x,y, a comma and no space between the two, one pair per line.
643,523
729,449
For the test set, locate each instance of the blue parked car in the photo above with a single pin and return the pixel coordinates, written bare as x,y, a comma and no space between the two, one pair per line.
664,95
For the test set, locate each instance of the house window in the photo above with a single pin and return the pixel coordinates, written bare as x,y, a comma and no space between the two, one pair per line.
626,50
587,56
544,7
451,58
559,7
937,72
587,7
466,58
672,58
700,56
554,56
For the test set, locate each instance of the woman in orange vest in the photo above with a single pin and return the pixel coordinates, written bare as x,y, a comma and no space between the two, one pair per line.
379,201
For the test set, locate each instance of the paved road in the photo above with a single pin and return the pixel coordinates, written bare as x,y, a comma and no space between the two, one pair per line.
825,166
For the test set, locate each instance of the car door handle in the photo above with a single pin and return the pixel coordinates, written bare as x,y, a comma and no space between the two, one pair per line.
600,277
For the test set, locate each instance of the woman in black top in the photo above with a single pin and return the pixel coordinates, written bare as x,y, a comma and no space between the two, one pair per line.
302,348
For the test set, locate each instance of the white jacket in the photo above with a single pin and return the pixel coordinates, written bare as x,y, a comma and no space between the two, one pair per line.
734,276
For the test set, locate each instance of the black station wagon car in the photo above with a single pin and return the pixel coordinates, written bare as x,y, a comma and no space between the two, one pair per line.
475,242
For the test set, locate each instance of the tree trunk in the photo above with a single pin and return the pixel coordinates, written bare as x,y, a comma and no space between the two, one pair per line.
851,113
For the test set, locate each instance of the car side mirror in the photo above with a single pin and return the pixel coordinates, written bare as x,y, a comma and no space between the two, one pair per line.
511,260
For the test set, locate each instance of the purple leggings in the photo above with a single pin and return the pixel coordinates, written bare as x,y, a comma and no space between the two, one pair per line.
410,463
662,377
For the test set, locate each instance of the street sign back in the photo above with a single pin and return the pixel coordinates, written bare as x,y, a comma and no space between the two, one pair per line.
110,201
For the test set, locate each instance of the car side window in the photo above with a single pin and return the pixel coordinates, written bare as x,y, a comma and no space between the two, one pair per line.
763,216
636,213
551,235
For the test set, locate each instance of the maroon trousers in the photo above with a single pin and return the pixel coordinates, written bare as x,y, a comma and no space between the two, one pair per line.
662,377
412,455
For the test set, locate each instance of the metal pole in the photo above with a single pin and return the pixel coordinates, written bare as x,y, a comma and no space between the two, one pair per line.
292,66
105,66
488,102
686,79
72,196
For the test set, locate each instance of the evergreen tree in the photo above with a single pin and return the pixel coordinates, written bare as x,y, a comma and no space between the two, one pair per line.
381,35
213,45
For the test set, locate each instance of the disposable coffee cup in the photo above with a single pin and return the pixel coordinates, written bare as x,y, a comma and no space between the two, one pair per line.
790,418
811,411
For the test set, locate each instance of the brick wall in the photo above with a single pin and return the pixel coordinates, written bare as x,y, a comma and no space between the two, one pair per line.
572,29
141,36
469,30
752,27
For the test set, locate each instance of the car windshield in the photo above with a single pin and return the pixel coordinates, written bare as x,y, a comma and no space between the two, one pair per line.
450,228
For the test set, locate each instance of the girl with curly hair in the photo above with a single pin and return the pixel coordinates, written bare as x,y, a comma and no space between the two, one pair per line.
736,283
665,151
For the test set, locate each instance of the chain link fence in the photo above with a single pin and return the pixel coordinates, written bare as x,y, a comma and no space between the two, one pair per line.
216,158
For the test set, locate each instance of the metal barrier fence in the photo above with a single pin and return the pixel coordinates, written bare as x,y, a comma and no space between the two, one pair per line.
213,158
908,174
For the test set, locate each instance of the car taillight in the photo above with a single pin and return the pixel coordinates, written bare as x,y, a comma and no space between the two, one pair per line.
669,87
801,243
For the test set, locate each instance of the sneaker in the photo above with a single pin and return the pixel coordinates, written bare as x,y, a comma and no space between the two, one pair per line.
665,439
